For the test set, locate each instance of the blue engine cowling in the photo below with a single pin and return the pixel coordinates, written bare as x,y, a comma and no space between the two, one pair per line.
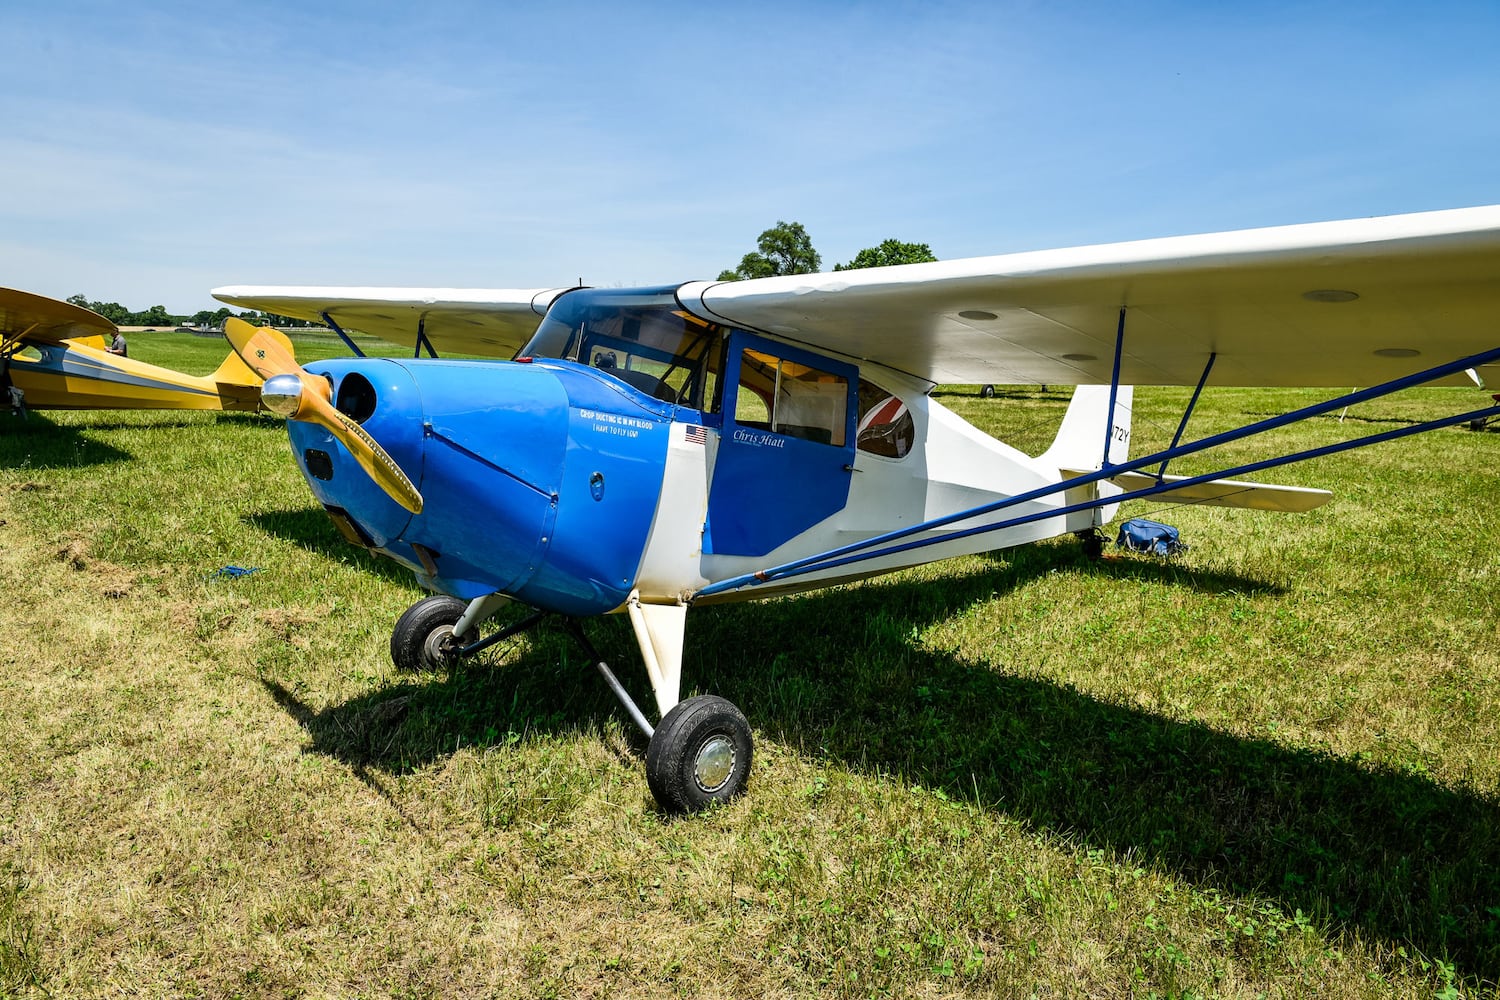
539,480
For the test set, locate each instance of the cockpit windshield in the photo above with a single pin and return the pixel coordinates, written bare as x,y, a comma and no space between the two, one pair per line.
640,336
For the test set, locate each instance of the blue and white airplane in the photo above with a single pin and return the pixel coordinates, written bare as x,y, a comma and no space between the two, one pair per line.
651,450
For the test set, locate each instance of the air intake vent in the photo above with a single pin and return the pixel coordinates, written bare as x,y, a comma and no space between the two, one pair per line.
356,397
319,465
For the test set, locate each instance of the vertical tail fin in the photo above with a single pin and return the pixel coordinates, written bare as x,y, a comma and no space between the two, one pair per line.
237,383
1080,447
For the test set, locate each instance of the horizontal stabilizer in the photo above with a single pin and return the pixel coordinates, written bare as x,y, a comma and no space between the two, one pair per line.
1225,493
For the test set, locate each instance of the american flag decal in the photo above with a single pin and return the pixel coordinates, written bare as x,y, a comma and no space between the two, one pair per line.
696,434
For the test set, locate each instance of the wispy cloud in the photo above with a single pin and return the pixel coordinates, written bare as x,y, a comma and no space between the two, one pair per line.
157,149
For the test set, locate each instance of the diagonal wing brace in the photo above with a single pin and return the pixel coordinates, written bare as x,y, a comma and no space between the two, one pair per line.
896,541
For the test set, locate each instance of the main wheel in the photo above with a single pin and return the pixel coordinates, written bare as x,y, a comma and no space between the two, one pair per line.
699,755
986,392
423,638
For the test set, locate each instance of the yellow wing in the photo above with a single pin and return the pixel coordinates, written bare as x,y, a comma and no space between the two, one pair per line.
43,320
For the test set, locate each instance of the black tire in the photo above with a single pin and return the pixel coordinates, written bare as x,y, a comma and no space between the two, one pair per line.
986,392
699,755
423,630
1093,545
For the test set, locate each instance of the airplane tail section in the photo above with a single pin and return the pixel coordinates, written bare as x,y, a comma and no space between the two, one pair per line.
1080,441
1227,493
233,371
238,385
1080,447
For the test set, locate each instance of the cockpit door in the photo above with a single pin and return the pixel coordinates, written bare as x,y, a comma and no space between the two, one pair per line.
786,451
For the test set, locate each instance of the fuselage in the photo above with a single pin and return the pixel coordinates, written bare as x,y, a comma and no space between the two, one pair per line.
82,375
633,449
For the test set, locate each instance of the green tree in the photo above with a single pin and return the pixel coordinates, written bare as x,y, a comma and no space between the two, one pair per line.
155,316
889,252
112,311
211,319
785,248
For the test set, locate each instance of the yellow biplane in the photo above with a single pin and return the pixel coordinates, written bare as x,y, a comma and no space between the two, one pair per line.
54,356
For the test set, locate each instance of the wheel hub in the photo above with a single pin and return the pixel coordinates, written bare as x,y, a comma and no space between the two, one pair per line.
714,763
441,646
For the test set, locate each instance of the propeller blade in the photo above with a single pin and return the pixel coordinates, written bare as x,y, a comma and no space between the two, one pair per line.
374,459
266,351
293,393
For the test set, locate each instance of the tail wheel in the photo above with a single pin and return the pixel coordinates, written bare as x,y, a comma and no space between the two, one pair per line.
986,392
699,755
423,638
1093,544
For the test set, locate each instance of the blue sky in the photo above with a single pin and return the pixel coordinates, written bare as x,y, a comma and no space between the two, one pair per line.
154,150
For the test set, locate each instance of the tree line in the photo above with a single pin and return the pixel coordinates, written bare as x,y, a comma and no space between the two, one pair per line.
157,316
785,248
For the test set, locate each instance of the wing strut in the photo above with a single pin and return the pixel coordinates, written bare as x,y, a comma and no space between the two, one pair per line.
1114,391
342,335
870,547
422,341
1192,405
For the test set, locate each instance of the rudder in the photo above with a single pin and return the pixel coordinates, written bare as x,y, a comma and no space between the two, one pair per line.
1079,444
1079,448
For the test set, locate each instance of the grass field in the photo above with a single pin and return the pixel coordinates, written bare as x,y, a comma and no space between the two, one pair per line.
1270,767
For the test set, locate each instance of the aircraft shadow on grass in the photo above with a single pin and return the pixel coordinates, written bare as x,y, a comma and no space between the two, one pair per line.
1393,854
311,528
38,443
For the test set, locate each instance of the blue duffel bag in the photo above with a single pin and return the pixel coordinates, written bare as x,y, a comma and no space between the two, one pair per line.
1141,535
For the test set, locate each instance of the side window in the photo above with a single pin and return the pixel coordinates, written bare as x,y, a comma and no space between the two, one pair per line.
750,409
885,424
662,354
789,398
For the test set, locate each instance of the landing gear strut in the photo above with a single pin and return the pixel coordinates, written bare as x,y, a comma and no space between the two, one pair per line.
698,755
